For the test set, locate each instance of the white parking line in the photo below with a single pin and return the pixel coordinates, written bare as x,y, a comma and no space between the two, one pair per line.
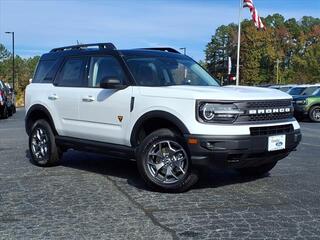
14,128
308,144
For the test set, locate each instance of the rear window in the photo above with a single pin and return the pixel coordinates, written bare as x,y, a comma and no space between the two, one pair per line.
44,67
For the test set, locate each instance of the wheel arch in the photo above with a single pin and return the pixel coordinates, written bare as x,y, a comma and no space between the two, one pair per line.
314,104
154,120
35,113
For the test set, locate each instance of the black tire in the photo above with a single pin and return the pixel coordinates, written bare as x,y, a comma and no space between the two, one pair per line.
5,113
52,155
187,178
257,171
314,114
14,109
10,111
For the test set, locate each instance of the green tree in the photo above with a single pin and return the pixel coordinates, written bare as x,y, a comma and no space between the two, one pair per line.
294,43
24,68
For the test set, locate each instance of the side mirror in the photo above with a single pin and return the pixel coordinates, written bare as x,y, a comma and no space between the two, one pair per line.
111,83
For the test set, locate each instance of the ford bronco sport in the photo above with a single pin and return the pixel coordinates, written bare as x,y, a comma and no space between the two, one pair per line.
308,104
156,106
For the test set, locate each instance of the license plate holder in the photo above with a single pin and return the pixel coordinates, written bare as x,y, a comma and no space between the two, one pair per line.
276,143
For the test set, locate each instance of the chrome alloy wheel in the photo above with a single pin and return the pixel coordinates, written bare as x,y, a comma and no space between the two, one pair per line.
167,162
40,145
316,114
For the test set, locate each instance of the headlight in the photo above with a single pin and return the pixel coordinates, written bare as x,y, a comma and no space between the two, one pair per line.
301,102
218,112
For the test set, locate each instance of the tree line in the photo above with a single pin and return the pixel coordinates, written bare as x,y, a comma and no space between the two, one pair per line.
289,47
24,68
288,51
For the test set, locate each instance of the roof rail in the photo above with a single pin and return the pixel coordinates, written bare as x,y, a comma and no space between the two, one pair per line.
165,49
109,46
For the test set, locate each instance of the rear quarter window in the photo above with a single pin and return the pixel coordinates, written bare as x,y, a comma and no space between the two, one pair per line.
43,69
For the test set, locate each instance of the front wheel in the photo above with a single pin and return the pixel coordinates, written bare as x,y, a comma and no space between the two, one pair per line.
257,171
164,163
314,114
43,149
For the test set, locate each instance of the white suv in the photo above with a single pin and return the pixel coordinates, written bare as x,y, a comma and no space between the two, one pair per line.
156,106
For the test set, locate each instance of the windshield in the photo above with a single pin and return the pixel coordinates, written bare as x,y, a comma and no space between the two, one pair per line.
284,89
168,71
309,91
317,93
296,90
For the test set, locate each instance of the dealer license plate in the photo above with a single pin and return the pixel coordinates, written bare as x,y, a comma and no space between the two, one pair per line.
276,143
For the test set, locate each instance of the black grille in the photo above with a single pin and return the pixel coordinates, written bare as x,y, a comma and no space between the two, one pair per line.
269,104
282,129
264,105
268,117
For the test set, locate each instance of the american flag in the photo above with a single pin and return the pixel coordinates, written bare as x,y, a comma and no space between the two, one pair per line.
254,13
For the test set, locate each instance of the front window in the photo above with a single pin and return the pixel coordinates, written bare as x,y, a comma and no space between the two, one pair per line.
168,71
102,68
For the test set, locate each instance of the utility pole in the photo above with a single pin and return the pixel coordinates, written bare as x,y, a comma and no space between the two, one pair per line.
13,71
278,62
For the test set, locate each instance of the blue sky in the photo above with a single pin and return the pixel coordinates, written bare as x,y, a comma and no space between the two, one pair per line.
40,25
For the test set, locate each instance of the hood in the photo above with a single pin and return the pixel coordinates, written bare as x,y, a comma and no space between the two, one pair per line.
299,97
236,93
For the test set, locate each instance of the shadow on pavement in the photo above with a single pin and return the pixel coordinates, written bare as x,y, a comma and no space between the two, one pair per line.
126,169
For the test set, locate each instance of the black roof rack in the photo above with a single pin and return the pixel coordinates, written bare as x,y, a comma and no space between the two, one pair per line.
109,46
165,49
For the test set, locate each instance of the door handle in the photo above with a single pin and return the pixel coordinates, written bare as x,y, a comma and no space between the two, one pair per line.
53,97
88,99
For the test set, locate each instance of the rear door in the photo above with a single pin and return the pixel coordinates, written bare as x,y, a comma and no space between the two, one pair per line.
65,94
104,114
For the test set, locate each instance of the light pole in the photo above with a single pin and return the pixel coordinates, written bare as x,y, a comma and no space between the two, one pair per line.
184,50
12,34
278,62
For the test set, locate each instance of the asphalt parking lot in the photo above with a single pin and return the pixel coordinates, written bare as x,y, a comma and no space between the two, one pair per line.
92,197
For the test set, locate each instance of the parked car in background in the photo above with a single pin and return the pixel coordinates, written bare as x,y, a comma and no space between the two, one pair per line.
311,90
6,106
308,104
12,97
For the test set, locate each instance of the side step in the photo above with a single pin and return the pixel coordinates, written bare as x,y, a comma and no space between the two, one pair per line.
114,150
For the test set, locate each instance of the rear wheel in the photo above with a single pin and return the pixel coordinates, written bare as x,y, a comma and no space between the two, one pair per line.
314,114
43,149
257,171
164,163
5,113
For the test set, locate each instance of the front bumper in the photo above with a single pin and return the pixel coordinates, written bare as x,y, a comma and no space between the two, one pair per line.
238,151
300,109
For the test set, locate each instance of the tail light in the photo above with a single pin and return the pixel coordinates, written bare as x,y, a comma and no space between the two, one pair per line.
1,97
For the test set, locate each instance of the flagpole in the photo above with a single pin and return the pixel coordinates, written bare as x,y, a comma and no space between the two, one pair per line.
239,41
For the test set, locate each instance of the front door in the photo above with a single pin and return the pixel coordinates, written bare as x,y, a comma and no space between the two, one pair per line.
104,114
